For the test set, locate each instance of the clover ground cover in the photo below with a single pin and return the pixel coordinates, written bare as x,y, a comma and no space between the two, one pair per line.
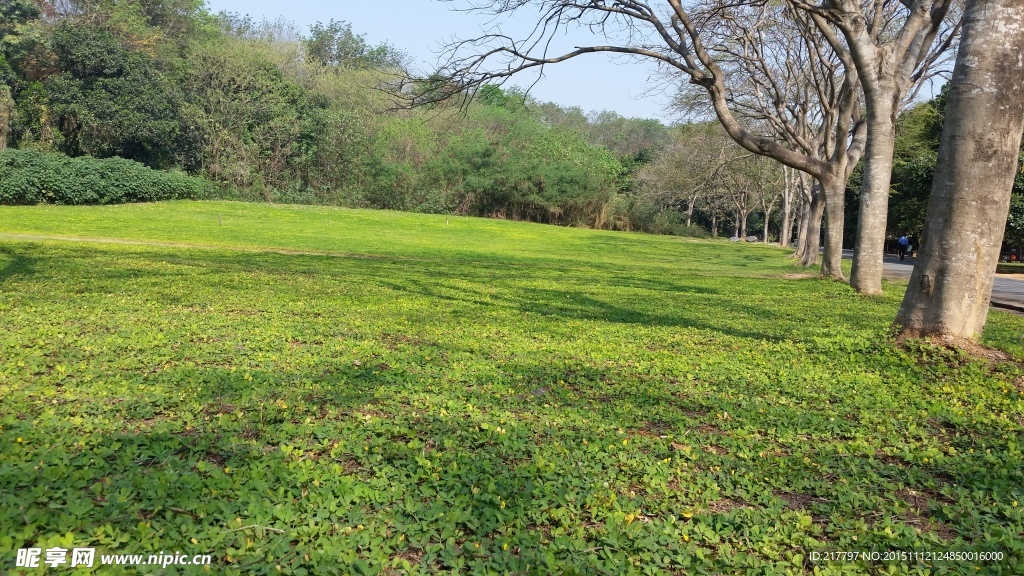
315,391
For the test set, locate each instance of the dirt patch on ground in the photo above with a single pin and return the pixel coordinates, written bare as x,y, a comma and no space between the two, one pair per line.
917,505
799,276
725,505
955,344
890,459
710,429
215,409
411,556
799,500
803,502
653,429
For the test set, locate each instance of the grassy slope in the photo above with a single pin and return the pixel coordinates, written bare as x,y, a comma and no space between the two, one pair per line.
485,396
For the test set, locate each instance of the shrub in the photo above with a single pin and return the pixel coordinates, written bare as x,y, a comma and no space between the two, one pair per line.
31,177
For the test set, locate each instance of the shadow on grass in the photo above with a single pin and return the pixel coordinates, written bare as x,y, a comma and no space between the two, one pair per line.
327,470
17,265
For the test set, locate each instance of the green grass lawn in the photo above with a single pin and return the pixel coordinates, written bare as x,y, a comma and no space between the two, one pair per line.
308,390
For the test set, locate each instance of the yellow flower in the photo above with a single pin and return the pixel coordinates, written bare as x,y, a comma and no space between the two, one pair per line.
624,442
502,503
19,440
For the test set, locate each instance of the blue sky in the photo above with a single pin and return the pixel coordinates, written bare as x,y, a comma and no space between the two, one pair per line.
593,82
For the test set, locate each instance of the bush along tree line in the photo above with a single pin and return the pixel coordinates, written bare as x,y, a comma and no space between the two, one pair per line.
31,177
266,112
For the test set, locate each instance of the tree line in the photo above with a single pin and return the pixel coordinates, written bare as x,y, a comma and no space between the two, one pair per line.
270,112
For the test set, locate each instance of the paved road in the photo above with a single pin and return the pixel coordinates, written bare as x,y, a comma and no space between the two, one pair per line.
1006,292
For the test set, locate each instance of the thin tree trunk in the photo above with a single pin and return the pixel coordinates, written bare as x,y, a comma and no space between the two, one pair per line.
794,225
786,210
802,225
951,285
6,115
801,233
831,264
816,210
689,211
866,275
714,225
785,227
767,217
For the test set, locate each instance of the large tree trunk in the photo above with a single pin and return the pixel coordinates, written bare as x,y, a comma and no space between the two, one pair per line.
832,262
816,210
743,224
866,275
951,285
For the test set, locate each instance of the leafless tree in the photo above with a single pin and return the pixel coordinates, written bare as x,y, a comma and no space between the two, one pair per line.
753,181
789,198
787,78
951,285
715,202
771,182
742,194
666,33
896,46
688,168
805,192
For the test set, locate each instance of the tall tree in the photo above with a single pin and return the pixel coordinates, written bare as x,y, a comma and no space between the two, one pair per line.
790,197
949,290
788,79
895,46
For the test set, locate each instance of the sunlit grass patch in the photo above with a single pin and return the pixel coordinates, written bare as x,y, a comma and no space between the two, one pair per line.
336,391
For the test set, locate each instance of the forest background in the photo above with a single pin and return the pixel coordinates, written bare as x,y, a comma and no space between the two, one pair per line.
265,111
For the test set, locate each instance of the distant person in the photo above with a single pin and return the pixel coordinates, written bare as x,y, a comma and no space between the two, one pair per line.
903,244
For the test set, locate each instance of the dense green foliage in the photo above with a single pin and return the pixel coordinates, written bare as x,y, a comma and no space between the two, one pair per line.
30,177
309,390
270,113
918,132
